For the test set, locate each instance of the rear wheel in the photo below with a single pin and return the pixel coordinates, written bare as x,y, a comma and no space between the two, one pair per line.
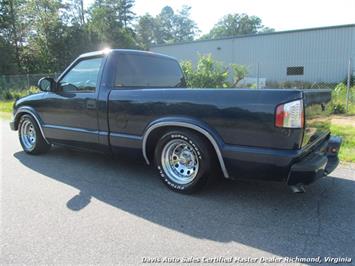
30,136
183,160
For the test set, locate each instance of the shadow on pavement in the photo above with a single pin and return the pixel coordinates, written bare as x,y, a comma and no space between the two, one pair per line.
265,216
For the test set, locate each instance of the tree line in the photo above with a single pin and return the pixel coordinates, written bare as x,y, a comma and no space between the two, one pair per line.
44,36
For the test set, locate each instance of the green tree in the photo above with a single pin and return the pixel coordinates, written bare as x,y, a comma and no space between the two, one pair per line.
43,16
126,15
79,4
12,29
8,63
75,12
146,29
166,27
46,35
55,37
107,27
237,24
185,29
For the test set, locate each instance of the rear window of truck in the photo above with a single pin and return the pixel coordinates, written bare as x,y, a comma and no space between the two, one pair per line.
148,71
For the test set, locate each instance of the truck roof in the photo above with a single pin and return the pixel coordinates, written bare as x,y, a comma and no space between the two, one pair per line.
124,51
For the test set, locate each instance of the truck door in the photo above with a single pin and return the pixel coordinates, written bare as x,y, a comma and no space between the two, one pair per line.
70,113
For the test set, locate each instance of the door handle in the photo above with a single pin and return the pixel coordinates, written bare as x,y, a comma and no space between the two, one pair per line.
91,104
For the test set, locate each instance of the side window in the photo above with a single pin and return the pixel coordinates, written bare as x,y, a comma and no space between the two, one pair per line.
148,71
82,77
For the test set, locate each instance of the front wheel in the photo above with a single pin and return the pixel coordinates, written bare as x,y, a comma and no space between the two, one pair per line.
183,160
30,136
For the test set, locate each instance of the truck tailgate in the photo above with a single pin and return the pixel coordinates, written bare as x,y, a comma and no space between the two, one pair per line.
317,115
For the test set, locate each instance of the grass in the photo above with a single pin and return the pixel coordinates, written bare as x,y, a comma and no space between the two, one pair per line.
6,109
6,106
7,98
347,149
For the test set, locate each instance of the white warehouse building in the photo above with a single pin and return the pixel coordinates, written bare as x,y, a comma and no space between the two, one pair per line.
306,55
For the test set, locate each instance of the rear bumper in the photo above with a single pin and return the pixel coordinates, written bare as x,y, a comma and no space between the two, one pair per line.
317,164
293,166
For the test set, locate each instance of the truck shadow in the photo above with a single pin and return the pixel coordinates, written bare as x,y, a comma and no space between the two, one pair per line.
265,216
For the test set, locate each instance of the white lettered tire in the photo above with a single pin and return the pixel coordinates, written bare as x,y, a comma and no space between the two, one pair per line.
183,160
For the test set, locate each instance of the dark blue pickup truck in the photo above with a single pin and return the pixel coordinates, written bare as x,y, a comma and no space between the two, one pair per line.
118,101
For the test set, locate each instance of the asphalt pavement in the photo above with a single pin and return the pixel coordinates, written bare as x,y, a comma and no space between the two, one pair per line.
70,207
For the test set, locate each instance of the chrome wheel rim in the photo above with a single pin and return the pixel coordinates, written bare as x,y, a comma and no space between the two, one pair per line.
180,161
28,135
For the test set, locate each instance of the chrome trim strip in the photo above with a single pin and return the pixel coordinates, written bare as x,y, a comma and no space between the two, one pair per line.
103,133
25,109
100,133
127,136
186,125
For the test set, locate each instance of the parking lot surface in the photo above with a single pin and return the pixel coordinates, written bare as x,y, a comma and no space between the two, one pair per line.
70,207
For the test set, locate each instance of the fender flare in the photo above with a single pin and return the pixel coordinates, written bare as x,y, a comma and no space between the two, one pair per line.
28,110
189,125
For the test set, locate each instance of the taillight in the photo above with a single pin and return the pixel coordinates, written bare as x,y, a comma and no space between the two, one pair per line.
290,115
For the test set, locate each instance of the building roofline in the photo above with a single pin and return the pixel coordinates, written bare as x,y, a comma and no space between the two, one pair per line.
258,34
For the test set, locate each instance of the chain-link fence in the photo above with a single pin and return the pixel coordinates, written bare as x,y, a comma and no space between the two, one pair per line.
304,75
320,74
21,82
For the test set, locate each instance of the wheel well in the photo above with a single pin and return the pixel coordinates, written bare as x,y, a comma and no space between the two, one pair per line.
157,133
18,118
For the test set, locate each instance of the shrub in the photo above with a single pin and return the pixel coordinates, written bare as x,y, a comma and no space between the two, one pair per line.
352,81
239,72
338,105
32,90
338,108
207,74
188,70
12,94
339,93
210,73
7,95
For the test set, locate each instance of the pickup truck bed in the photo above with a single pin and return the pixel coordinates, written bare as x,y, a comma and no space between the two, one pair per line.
270,134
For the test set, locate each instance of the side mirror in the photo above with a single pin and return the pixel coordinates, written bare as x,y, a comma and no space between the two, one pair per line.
46,84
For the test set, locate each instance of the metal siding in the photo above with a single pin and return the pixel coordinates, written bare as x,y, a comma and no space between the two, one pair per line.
324,53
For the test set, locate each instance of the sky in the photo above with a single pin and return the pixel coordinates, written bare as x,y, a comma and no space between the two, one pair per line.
277,14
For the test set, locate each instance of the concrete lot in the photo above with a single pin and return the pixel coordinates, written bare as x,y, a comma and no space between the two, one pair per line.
69,207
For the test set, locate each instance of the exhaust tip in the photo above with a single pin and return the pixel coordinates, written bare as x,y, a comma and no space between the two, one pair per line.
299,188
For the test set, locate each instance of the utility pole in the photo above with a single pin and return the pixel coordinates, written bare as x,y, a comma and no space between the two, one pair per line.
257,78
348,85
